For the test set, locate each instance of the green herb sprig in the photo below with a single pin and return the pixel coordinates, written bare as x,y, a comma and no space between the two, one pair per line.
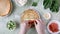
51,4
34,4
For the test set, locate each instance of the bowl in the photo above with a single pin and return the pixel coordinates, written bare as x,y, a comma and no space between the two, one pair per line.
11,25
20,2
55,24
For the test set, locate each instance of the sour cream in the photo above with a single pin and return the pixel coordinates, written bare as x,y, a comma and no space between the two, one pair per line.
47,16
21,2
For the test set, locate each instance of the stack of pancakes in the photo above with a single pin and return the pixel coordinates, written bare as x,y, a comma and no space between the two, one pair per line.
5,7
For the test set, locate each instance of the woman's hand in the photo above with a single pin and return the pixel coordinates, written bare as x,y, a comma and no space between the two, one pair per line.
40,27
24,27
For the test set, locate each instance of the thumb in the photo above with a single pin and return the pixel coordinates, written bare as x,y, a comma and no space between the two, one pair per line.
35,23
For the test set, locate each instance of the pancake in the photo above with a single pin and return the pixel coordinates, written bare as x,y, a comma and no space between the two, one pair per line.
30,15
5,7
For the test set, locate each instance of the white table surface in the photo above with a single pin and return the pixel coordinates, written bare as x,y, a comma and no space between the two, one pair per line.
15,15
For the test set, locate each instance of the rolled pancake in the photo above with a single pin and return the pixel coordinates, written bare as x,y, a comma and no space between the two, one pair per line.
5,7
30,15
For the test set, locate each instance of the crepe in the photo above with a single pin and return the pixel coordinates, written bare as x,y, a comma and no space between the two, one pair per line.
30,15
5,7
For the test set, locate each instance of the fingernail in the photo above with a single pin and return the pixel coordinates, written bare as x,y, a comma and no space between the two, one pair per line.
35,22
